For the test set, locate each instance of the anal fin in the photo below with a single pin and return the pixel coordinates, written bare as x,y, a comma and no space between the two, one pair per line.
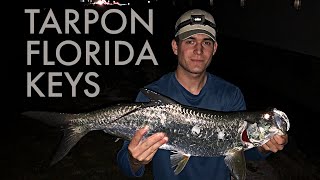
236,163
179,160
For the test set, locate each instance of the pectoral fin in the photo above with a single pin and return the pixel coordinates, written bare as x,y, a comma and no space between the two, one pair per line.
236,163
179,160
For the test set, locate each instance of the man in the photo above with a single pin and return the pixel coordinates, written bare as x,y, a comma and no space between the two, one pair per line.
194,44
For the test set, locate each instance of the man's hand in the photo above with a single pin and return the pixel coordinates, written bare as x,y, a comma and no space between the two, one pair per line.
141,151
275,144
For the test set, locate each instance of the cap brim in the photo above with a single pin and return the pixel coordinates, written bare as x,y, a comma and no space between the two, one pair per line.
187,34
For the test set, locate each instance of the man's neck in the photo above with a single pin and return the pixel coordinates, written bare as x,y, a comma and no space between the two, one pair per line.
191,82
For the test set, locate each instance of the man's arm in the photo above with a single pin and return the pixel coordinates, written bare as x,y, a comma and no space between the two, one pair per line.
124,162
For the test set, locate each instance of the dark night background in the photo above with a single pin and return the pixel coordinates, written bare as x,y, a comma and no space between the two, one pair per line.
267,48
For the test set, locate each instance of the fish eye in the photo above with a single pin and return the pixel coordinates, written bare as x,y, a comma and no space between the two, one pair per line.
266,116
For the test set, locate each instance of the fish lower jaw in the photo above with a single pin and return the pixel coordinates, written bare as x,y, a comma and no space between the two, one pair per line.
247,144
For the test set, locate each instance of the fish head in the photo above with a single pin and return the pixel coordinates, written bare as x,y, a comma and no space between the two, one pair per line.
270,123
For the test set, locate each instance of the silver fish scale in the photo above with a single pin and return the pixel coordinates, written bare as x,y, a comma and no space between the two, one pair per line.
198,134
103,118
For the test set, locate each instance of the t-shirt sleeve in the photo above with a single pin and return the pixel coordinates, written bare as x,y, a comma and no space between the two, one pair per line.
254,154
238,102
124,164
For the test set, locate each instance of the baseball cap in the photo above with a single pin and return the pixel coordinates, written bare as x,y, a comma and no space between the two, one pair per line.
195,21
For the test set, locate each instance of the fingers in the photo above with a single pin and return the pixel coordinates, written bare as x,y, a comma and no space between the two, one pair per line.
138,136
142,151
282,140
148,147
276,143
149,158
265,148
274,146
148,154
152,141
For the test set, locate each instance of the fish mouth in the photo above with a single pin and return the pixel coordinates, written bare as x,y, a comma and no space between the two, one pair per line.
281,121
247,144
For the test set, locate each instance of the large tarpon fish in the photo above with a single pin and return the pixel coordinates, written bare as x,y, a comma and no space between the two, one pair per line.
191,131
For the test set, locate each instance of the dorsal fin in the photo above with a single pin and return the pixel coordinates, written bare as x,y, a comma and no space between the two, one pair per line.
156,97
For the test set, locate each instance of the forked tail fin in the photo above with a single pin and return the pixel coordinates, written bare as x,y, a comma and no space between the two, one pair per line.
73,132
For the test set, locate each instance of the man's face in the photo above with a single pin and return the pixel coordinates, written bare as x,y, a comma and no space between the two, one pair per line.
194,53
